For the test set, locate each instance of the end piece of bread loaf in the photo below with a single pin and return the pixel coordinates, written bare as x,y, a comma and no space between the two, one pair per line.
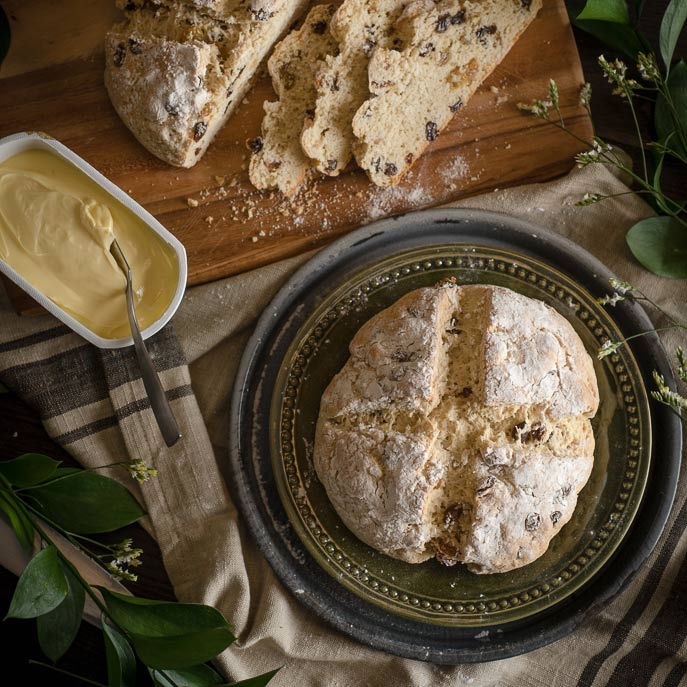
278,160
450,47
459,428
359,26
175,71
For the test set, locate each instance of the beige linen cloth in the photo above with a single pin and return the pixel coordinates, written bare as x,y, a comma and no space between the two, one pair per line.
638,639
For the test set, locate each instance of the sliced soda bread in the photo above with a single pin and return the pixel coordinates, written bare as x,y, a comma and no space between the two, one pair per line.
451,46
359,26
278,161
175,73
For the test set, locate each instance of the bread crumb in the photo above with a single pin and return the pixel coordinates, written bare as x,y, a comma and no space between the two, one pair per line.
192,202
254,239
209,219
494,90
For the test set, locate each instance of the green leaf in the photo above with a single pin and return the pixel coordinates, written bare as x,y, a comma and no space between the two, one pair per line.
28,470
86,503
41,587
183,650
58,628
620,38
258,681
170,635
671,27
204,676
121,661
614,11
665,120
21,525
63,472
195,676
660,244
5,35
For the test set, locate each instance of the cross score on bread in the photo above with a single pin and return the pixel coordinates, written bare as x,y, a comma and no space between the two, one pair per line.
459,428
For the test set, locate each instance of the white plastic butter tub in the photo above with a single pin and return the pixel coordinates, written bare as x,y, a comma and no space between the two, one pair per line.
18,143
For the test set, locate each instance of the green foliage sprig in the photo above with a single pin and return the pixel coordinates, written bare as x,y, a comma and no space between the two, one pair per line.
623,291
658,243
173,640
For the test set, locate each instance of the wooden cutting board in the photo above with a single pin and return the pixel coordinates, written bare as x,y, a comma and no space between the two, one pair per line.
52,82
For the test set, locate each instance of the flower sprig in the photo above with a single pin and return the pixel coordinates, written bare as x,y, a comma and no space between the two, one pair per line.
124,556
659,243
139,471
622,291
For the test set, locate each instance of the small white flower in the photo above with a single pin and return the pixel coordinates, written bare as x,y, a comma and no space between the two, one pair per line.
616,74
609,347
664,394
124,556
589,199
586,95
140,471
622,287
682,363
599,150
120,573
553,93
538,108
648,69
611,300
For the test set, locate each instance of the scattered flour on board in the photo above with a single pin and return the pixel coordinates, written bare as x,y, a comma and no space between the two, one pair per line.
457,169
383,201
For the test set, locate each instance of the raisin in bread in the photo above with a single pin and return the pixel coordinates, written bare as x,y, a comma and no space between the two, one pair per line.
451,46
459,428
175,71
278,161
359,26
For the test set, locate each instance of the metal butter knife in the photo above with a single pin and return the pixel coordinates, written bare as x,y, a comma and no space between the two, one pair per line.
151,381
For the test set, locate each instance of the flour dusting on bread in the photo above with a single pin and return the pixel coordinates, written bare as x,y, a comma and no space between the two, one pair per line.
459,428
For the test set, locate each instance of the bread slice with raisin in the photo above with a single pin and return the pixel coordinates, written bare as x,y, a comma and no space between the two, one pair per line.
278,160
451,46
359,26
175,71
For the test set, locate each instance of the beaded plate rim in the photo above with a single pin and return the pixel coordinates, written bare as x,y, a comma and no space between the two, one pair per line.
351,573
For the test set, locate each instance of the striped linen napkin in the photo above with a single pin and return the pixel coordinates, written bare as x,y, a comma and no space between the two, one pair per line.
93,403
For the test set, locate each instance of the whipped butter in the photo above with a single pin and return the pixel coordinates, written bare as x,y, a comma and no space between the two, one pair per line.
56,228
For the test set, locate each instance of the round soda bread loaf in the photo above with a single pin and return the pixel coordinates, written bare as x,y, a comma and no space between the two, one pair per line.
459,428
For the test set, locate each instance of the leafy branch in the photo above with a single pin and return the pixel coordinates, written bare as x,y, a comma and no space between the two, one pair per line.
658,243
173,640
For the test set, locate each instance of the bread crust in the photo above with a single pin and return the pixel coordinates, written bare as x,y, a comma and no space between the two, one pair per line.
175,71
459,428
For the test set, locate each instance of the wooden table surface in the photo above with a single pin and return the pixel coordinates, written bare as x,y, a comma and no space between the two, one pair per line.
21,430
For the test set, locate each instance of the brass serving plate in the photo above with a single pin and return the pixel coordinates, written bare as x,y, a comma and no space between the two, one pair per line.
429,592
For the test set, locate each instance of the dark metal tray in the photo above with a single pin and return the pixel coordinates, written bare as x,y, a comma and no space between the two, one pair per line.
428,612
